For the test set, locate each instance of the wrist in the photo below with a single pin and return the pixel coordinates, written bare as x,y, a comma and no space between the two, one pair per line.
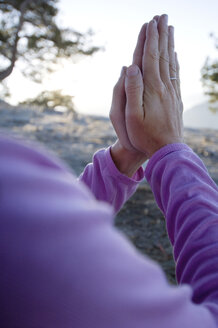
126,161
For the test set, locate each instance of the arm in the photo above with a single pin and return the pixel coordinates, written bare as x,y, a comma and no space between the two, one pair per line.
188,198
107,183
176,175
114,175
65,265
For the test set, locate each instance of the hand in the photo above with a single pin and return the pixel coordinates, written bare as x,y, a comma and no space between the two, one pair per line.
153,113
125,156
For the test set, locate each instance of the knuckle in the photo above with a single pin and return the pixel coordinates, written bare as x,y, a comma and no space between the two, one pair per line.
171,41
129,113
151,53
164,56
116,88
133,88
132,117
173,67
171,49
163,91
154,55
164,34
154,87
112,115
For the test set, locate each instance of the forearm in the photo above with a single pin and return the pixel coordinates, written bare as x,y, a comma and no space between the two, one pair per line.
107,183
188,198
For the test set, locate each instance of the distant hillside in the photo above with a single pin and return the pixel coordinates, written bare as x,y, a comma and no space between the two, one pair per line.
201,117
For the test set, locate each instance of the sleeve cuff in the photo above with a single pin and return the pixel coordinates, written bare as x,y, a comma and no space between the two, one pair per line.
113,170
161,153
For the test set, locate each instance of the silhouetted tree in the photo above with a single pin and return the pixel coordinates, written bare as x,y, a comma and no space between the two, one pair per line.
29,33
51,100
209,74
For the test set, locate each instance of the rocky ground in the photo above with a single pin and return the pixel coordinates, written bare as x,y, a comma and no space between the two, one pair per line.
75,138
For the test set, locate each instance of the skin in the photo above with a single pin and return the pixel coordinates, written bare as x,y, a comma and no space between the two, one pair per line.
146,109
125,156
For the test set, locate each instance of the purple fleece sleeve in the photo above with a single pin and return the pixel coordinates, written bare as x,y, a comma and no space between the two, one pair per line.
107,183
188,198
63,264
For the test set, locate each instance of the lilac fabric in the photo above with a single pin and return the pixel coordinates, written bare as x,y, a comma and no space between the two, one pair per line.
63,264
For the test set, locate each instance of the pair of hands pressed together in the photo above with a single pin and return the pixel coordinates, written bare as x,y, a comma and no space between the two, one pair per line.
146,110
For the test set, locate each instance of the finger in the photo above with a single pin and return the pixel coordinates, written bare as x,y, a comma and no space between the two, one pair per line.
178,75
156,18
172,58
138,52
119,96
150,60
117,112
134,93
163,49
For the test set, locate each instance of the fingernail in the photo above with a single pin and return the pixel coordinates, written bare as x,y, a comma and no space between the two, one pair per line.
156,17
165,16
132,70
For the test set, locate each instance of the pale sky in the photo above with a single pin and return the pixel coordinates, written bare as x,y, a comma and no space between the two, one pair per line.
116,24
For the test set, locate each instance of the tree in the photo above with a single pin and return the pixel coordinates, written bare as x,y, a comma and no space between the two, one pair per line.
29,33
209,76
51,100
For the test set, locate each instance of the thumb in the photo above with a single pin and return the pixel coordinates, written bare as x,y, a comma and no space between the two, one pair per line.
134,91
